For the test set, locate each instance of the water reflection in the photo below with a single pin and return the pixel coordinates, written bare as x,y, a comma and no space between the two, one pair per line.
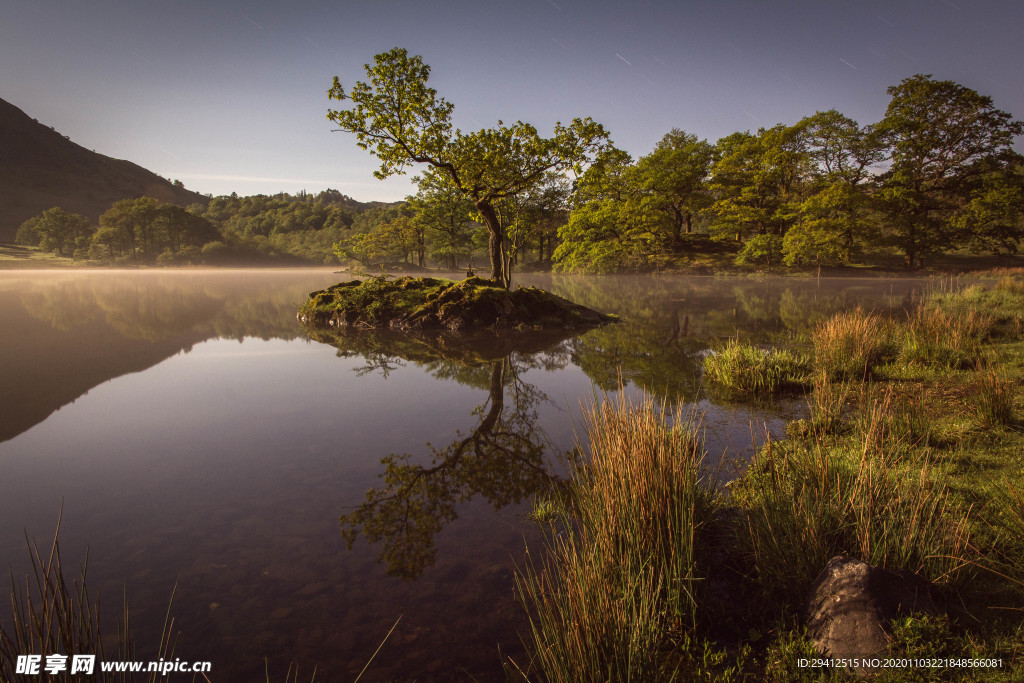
222,467
64,333
503,458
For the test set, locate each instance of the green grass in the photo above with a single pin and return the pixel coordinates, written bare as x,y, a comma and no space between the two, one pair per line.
994,398
912,458
623,582
947,338
850,345
744,369
18,256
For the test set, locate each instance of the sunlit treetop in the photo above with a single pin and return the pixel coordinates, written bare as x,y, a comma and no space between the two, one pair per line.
399,119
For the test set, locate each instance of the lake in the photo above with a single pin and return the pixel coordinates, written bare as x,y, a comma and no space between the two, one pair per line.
200,441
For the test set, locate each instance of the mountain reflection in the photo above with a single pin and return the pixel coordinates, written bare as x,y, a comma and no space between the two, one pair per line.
63,333
504,458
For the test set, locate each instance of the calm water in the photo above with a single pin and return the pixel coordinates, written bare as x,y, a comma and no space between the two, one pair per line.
195,435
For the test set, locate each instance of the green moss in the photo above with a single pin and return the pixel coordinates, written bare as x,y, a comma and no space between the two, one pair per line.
430,303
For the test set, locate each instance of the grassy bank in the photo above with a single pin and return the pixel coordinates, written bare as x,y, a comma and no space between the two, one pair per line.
912,458
14,256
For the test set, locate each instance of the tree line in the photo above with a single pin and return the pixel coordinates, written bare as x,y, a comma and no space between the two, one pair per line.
227,229
937,174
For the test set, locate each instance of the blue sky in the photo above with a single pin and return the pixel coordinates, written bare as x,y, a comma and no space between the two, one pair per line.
231,96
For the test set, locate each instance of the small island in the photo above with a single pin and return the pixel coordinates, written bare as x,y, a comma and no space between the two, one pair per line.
418,303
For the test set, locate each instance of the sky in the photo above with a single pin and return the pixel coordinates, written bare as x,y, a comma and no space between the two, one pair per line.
231,96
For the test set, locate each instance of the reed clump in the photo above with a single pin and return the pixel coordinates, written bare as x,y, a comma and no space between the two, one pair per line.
52,617
627,575
746,369
950,339
885,422
808,502
848,346
993,398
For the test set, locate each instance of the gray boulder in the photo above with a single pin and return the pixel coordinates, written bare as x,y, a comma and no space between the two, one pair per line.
851,602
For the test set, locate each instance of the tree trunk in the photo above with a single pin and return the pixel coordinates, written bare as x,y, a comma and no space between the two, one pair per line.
494,242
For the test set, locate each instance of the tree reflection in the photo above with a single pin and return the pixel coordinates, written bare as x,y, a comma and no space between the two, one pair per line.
503,458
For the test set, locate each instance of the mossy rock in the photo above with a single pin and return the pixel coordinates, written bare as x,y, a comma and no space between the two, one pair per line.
422,303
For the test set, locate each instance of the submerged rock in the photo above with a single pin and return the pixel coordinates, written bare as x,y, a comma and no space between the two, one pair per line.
851,603
415,303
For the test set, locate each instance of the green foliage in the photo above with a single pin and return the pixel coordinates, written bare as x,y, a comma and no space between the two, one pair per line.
937,174
949,148
394,239
674,176
764,249
446,215
27,233
604,236
824,235
756,181
400,120
147,230
57,231
608,230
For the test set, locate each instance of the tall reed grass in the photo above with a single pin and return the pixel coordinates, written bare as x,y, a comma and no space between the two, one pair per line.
610,592
827,404
887,423
994,397
951,339
747,369
51,617
809,502
849,345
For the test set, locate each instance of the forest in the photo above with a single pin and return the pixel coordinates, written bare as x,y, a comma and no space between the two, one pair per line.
937,175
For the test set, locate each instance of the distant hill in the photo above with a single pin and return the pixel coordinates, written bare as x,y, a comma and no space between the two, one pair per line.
40,168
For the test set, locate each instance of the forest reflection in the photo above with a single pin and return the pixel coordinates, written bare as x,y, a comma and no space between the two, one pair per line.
64,333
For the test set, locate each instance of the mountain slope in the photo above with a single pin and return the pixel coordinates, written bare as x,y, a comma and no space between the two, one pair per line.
40,168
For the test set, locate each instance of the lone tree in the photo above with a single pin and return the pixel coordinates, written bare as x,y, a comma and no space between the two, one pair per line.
400,120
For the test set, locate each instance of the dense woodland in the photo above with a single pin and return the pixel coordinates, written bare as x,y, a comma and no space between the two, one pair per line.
936,175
